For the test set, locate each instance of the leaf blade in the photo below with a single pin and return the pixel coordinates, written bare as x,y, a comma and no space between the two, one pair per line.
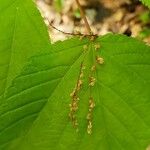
17,44
121,117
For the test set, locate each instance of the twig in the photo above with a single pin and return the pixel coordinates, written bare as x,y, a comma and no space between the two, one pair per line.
84,17
68,33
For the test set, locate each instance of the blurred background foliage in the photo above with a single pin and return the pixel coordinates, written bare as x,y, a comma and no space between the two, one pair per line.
128,17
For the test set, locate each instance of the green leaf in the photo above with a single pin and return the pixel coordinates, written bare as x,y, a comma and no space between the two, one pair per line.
33,71
121,117
22,34
146,2
30,90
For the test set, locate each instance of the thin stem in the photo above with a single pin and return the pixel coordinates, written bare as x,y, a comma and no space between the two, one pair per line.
68,33
84,17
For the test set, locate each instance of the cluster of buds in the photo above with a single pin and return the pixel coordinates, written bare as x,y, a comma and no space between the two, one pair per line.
73,108
93,68
89,115
99,60
92,81
92,38
75,99
97,46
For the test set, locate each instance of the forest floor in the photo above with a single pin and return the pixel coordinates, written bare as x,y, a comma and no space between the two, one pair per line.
127,17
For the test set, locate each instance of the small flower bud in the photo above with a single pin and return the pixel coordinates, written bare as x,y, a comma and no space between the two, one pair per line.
100,60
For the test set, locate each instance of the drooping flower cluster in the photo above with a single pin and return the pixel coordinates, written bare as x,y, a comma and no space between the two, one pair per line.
91,83
89,115
75,98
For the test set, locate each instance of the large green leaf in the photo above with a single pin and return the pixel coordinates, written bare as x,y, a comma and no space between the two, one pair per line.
146,2
22,34
30,90
121,118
